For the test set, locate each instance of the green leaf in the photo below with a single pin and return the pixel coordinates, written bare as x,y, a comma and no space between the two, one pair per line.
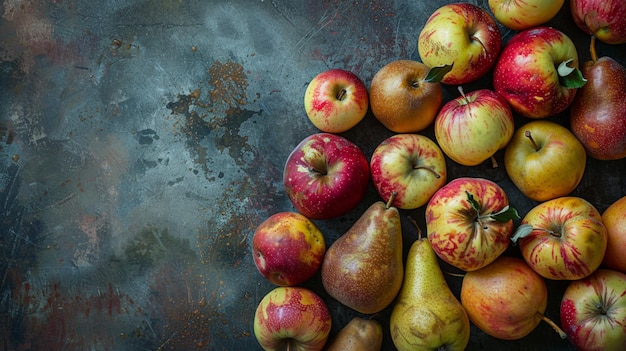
436,74
521,232
506,214
570,77
473,202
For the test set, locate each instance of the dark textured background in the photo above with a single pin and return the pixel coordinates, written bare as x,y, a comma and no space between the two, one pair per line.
143,141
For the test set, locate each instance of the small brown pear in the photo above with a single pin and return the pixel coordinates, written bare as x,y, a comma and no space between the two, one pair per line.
598,112
363,268
359,334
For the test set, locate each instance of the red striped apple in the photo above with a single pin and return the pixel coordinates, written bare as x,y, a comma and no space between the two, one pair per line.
288,248
520,15
472,127
336,100
469,222
604,19
614,219
325,176
292,318
463,35
563,238
593,311
412,166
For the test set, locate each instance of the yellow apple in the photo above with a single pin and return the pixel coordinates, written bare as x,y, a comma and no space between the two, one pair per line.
519,15
614,218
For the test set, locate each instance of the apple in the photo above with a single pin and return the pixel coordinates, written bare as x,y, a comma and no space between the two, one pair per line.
593,311
537,72
472,127
412,166
463,35
563,238
292,318
520,15
404,97
614,219
545,160
288,248
325,176
604,19
336,100
469,222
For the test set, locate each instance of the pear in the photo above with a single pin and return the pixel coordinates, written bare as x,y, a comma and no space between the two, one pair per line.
598,112
506,299
363,269
427,315
359,334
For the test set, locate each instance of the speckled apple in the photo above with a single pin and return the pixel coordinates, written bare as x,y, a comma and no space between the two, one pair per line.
325,176
336,100
604,19
288,248
526,73
462,34
292,318
593,311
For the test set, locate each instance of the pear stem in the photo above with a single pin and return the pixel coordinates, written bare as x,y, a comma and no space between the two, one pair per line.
592,49
419,231
529,136
391,198
554,326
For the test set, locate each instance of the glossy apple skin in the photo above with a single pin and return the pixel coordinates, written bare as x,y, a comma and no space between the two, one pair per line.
520,15
605,19
454,232
463,34
288,248
526,72
336,100
498,301
411,165
471,128
325,176
554,170
568,240
614,219
292,316
593,311
593,116
401,99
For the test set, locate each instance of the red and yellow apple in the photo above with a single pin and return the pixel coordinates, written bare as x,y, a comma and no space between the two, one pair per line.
326,175
412,166
604,19
520,15
473,127
614,219
292,318
545,160
537,72
463,35
593,311
403,97
288,248
469,222
336,100
563,238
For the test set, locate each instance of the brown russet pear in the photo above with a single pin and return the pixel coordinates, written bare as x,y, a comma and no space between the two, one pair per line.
359,334
598,112
363,268
427,316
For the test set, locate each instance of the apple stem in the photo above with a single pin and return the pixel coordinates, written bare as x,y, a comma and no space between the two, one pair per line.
494,162
429,169
419,231
463,94
529,136
341,94
554,326
592,49
391,198
473,37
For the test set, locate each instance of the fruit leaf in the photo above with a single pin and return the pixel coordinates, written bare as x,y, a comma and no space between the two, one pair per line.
435,74
522,231
473,202
570,77
506,214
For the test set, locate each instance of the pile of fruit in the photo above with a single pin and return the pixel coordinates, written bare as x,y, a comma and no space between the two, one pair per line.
469,222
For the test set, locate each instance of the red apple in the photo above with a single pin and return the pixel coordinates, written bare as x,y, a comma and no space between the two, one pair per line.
288,248
292,318
593,311
469,222
336,100
614,219
604,19
537,72
471,128
325,176
563,238
520,15
412,166
463,35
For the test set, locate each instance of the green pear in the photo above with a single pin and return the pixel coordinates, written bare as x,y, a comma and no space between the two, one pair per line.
363,269
359,334
427,316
